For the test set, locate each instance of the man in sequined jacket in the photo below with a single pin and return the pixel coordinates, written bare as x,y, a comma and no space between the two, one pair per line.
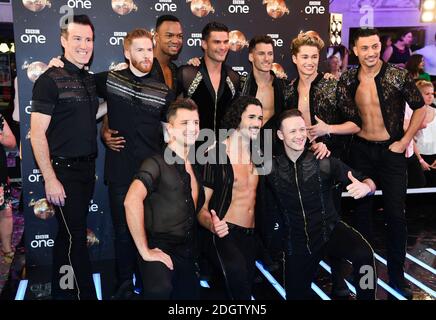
373,96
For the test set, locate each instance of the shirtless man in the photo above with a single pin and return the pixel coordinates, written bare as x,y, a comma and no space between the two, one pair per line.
262,83
230,187
373,96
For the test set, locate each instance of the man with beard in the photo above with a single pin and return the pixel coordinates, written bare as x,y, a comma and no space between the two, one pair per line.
231,181
212,84
168,40
373,96
136,106
161,206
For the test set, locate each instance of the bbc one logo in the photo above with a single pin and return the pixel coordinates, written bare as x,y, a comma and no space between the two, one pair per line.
42,241
33,36
276,39
238,6
314,7
240,70
36,176
165,5
118,38
194,40
79,4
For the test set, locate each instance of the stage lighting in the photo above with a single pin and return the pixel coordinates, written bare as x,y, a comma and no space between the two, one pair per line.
428,10
335,29
4,47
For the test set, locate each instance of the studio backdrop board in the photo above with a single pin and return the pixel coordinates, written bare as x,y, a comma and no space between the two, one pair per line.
37,38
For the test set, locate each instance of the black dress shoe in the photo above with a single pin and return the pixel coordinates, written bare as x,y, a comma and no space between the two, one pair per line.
341,294
124,291
404,290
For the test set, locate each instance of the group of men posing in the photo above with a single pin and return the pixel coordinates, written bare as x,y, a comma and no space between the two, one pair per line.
162,210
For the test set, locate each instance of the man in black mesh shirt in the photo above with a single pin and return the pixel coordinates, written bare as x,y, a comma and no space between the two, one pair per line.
63,136
161,206
373,96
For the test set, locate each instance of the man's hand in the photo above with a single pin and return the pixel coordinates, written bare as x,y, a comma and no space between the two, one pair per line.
357,189
320,150
424,165
113,143
329,76
157,254
319,129
194,62
398,147
55,192
433,165
56,62
219,227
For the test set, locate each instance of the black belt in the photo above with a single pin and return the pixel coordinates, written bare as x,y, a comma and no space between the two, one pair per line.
384,143
88,158
235,227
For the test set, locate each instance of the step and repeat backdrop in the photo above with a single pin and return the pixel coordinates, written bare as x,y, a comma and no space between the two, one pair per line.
37,39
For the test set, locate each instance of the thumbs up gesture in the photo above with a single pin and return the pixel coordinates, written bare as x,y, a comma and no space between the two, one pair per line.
219,227
319,129
357,189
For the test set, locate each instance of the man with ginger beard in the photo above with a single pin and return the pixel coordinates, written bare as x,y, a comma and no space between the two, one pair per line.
136,104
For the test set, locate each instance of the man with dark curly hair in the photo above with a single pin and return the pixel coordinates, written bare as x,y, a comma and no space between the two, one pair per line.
230,180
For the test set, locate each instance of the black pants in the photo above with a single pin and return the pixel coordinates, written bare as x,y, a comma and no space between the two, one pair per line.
161,283
235,256
78,179
125,249
415,174
344,243
388,170
430,176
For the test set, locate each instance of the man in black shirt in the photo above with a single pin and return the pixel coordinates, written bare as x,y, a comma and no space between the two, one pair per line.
161,206
302,186
136,105
63,138
373,96
168,39
213,84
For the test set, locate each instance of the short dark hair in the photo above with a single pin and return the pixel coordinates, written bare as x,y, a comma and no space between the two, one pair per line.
166,17
365,32
213,26
232,118
259,39
82,19
291,113
181,103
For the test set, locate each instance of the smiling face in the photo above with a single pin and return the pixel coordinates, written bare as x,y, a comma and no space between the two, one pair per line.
262,57
251,121
293,133
140,55
184,127
367,50
306,60
216,46
78,43
169,38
